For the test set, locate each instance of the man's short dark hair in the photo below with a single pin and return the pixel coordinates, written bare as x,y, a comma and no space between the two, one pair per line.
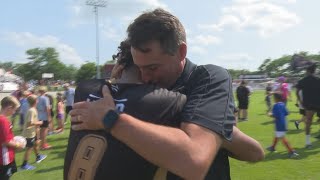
157,25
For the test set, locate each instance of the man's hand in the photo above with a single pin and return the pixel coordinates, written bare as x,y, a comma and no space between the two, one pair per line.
89,115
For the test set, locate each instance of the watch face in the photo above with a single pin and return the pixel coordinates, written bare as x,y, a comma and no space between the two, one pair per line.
110,118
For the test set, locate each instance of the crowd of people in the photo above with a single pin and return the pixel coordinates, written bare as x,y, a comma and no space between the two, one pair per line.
35,111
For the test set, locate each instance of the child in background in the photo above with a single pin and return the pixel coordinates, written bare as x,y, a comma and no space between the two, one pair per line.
60,113
8,166
23,108
279,112
30,133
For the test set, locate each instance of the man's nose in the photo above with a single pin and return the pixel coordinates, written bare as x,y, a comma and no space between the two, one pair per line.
146,77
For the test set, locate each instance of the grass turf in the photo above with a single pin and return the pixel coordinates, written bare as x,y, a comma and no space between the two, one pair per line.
276,166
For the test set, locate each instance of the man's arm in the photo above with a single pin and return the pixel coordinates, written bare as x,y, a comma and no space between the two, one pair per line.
243,147
187,152
297,94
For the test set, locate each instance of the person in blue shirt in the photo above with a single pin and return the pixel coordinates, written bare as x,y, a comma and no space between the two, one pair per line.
44,115
69,99
279,112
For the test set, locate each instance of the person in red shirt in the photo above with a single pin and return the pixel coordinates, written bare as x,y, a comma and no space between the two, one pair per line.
9,106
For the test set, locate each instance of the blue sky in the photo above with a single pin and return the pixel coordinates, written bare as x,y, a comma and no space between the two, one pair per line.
236,34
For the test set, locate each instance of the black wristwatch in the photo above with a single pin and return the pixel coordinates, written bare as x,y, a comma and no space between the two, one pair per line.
110,119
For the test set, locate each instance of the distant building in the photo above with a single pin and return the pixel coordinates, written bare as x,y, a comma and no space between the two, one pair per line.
253,76
107,71
8,81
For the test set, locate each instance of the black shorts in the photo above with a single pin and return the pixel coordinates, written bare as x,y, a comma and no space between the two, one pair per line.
31,142
68,109
7,171
302,112
243,104
44,124
311,107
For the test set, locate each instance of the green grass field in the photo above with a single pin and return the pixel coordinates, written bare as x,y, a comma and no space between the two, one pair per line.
276,166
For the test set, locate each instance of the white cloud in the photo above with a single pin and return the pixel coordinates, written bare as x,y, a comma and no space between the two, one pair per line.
264,16
204,40
237,61
27,40
199,44
121,11
197,50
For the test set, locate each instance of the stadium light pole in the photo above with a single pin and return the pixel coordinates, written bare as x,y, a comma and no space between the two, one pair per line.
96,4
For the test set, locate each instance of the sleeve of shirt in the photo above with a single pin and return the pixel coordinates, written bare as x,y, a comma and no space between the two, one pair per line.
210,101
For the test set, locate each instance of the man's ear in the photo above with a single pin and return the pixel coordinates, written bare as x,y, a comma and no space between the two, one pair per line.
182,51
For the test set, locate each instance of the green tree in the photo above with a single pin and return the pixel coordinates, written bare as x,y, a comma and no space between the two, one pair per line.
69,73
44,60
7,65
86,71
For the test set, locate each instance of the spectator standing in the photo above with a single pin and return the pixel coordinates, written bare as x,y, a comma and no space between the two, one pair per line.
60,113
8,166
310,86
243,94
44,114
30,133
69,99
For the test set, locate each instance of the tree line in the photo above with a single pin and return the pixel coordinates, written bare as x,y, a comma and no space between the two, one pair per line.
46,60
277,67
